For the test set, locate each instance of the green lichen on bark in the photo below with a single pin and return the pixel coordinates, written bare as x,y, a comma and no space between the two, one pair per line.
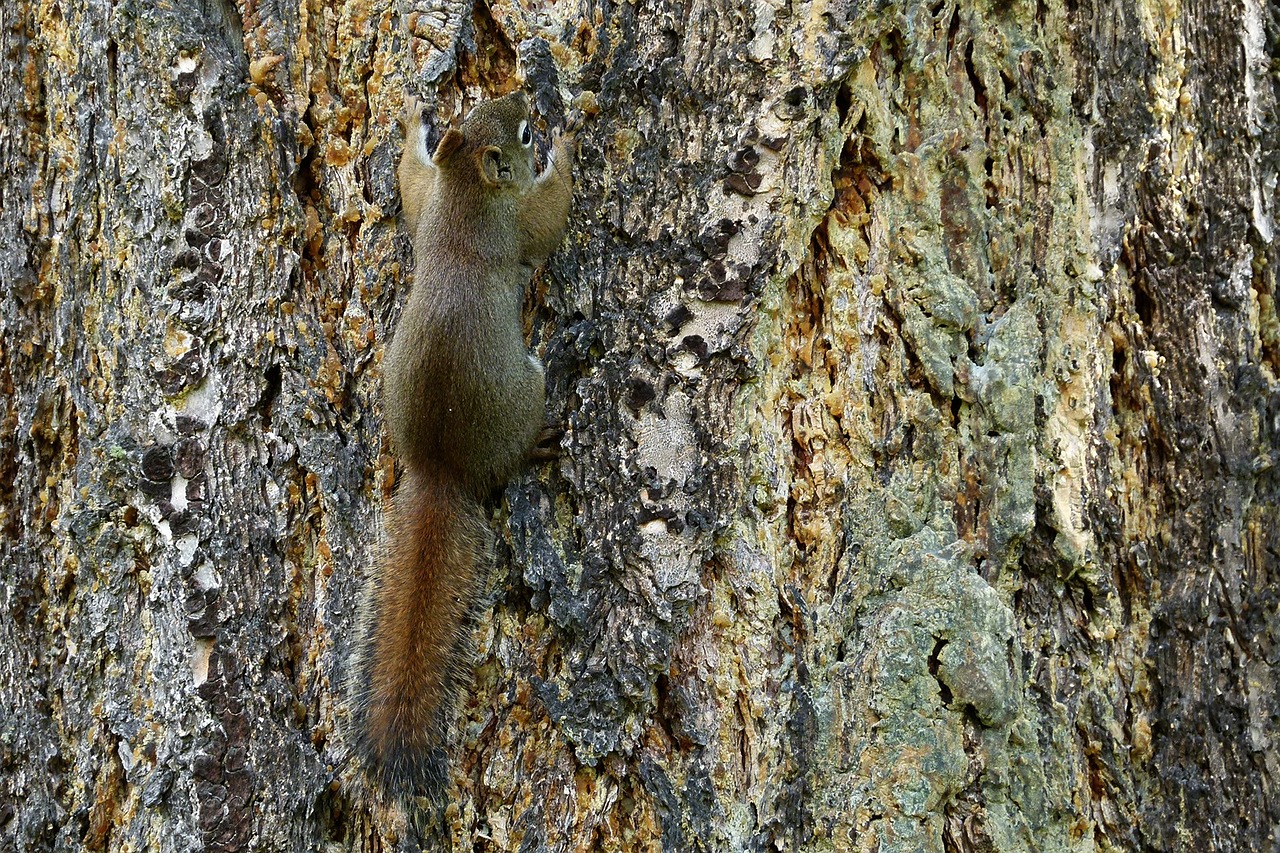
926,335
943,380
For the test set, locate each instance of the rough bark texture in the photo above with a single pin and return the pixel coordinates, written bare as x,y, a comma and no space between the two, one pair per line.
919,368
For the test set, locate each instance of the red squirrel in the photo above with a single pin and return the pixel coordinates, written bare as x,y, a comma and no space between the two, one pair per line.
464,400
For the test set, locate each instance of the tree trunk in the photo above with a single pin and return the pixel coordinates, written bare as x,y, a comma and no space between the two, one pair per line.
918,365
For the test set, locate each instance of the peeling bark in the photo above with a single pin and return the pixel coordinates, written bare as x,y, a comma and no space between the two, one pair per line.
918,365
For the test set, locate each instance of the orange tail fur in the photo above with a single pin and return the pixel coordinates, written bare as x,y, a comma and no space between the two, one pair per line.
413,653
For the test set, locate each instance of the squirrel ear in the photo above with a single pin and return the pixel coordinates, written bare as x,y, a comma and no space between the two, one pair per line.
449,143
489,161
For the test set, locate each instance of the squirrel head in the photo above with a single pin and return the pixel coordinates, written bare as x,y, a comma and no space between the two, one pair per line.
495,141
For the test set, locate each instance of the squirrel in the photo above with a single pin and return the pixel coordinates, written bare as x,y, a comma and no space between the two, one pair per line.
464,402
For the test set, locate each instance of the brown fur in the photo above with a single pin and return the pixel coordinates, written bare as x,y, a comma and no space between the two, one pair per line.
464,401
417,617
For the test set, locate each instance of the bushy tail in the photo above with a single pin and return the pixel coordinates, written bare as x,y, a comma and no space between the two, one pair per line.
413,652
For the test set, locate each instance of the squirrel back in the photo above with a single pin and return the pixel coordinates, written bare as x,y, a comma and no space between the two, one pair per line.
460,389
464,402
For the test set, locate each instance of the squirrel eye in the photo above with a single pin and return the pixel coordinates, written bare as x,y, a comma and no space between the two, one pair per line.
526,135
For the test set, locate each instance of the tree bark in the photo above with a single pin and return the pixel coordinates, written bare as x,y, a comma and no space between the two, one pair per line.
919,370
